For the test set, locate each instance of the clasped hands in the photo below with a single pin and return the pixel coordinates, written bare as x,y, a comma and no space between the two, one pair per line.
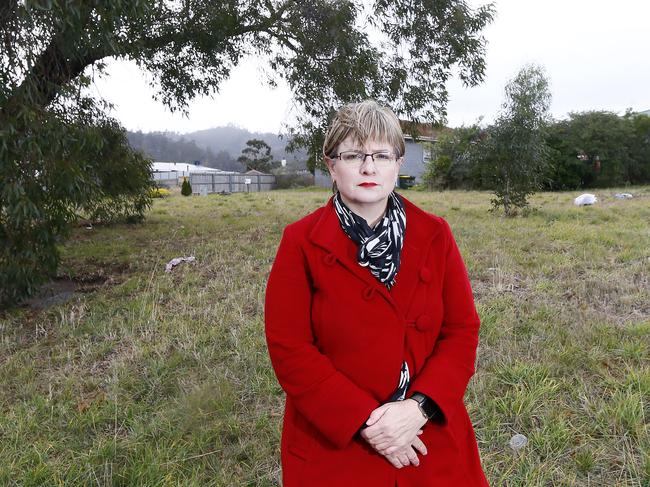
393,430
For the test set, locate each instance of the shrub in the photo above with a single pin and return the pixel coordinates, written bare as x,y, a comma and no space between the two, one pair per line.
293,180
186,189
159,192
52,172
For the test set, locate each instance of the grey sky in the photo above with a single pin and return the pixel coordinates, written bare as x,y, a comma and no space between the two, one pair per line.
594,53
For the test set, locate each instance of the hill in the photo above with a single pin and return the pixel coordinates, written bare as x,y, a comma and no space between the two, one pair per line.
216,147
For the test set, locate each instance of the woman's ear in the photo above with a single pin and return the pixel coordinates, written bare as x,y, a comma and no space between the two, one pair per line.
330,166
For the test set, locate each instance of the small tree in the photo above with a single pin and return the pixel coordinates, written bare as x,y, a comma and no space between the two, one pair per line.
186,188
513,155
451,165
257,156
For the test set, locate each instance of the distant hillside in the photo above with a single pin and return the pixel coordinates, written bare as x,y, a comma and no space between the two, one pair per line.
162,146
233,140
217,147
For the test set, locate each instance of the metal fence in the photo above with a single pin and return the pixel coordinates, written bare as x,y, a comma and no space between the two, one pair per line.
168,174
167,178
205,183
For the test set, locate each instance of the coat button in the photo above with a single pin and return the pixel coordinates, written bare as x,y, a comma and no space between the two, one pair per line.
425,275
329,259
368,293
424,323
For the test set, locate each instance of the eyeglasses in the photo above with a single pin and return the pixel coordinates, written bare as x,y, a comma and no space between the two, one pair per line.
356,158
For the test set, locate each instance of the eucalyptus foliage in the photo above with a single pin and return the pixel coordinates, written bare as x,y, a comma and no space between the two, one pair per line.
512,156
53,138
257,156
452,166
599,149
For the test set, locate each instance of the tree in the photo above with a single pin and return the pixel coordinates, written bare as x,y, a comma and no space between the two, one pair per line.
186,188
51,50
599,149
257,156
513,156
452,165
639,170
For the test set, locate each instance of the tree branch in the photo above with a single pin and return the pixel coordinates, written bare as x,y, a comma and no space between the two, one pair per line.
8,10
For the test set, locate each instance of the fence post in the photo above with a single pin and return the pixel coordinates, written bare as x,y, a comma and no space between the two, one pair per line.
230,183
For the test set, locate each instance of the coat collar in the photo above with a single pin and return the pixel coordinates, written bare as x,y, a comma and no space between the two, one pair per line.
421,229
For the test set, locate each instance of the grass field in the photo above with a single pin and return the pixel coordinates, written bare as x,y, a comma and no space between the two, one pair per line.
153,379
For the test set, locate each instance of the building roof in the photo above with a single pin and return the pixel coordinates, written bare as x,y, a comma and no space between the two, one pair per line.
427,132
183,167
255,172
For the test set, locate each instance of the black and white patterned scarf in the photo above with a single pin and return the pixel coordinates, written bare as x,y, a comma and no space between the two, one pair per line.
379,247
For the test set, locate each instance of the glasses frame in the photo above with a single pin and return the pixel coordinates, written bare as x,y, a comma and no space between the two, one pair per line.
372,155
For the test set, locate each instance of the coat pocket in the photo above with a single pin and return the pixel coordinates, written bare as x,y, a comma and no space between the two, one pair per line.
300,437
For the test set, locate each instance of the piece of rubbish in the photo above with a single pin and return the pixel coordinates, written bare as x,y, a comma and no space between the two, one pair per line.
517,442
585,199
623,196
177,260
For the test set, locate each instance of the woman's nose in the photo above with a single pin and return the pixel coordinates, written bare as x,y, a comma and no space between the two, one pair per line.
368,165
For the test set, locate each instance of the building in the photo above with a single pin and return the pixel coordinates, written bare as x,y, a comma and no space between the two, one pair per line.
172,173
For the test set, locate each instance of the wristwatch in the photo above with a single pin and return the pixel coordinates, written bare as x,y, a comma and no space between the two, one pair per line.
427,406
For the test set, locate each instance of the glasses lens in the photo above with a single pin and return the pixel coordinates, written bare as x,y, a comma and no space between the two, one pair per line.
352,156
383,157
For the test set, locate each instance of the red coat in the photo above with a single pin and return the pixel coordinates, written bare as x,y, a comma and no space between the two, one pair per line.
337,338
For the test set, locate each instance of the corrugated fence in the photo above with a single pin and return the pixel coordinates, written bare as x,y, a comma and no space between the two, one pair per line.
206,183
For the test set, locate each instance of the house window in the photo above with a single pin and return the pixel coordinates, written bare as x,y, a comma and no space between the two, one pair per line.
427,152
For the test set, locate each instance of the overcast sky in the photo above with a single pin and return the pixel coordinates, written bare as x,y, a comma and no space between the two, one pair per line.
595,53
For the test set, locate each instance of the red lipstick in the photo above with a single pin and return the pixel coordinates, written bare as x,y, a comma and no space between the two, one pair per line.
368,185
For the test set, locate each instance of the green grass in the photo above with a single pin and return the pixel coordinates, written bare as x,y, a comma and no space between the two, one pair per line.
149,378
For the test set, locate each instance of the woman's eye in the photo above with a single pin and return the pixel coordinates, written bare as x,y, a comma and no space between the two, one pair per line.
382,156
352,156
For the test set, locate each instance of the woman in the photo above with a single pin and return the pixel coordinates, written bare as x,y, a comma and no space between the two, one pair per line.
371,327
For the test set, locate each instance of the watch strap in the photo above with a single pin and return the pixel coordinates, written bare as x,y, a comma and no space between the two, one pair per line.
427,406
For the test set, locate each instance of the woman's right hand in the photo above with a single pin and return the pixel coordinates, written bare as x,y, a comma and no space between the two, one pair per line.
408,455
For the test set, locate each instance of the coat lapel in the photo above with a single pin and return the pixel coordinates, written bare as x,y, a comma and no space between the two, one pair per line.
420,230
328,234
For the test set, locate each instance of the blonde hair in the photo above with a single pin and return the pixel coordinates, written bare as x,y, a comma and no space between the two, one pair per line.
363,121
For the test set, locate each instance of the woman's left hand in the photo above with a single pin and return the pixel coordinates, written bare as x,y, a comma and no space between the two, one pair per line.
392,426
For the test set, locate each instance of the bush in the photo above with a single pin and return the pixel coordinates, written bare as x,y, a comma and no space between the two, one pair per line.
78,165
159,193
186,189
289,181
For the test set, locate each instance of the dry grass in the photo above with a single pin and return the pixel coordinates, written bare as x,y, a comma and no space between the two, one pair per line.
163,379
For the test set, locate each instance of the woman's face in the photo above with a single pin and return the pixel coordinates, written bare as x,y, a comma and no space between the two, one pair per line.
365,186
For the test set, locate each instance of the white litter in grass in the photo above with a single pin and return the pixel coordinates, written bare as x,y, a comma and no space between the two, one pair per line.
585,199
174,262
623,196
517,442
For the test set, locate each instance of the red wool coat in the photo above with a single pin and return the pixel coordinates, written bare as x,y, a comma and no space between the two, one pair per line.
337,338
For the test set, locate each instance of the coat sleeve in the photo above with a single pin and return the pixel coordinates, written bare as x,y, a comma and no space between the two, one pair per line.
334,405
447,371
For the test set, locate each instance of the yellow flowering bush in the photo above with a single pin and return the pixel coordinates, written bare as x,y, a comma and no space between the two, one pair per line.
159,192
